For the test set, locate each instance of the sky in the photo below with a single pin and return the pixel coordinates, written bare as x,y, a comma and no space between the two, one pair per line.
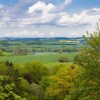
48,18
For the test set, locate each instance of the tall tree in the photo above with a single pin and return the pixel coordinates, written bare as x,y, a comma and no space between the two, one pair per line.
88,84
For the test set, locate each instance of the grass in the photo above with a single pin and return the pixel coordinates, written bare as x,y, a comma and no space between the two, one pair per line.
45,58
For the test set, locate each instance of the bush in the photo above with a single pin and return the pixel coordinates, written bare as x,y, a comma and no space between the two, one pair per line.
63,59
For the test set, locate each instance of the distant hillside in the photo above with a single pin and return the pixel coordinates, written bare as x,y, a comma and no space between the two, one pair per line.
47,38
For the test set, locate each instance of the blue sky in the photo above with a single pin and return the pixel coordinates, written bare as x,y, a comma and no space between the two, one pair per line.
48,18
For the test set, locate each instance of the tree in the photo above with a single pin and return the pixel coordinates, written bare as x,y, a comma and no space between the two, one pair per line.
7,90
61,83
35,71
36,92
88,84
22,87
63,58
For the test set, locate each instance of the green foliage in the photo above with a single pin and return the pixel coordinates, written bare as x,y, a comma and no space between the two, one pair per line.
61,83
7,90
88,83
3,68
36,70
63,59
22,87
34,81
14,86
36,91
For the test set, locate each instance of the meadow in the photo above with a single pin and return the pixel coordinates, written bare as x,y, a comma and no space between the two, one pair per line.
45,50
45,58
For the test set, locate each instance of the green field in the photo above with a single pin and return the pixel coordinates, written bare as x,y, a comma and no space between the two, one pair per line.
45,58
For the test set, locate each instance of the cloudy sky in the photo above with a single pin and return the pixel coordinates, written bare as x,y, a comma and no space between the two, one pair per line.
48,18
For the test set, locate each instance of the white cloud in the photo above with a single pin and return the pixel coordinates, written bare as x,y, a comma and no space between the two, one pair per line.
24,33
68,2
62,7
34,17
46,16
87,17
27,33
40,6
1,7
2,10
45,13
3,22
41,13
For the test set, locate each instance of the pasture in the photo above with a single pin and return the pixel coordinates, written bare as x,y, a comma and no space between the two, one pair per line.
45,58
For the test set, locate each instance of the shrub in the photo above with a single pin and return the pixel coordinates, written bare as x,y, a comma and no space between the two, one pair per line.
63,59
